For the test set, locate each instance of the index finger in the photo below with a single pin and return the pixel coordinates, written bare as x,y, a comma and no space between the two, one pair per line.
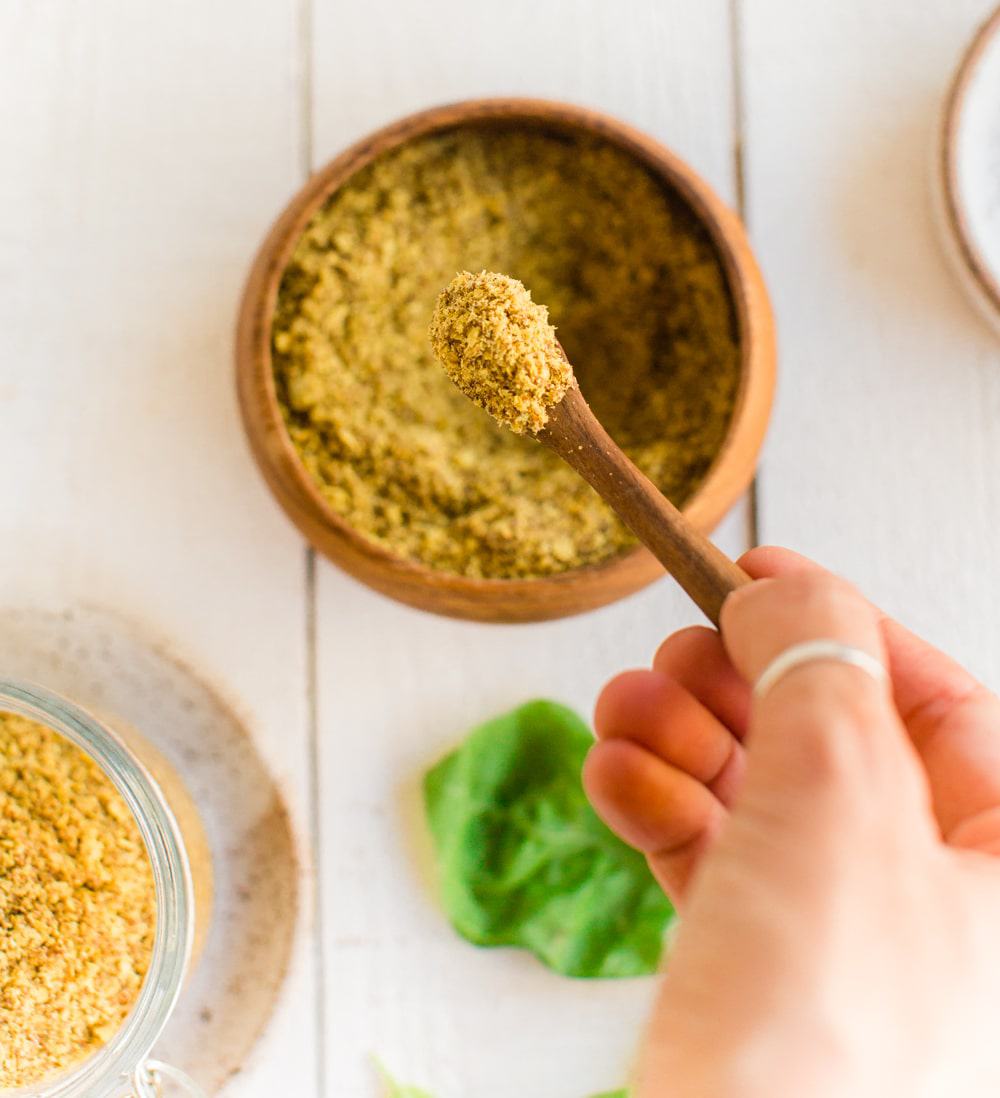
952,720
825,736
922,676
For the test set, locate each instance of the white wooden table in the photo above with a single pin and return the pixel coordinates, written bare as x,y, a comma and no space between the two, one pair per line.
144,148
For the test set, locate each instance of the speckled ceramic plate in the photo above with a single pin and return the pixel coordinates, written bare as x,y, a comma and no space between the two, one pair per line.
967,170
105,664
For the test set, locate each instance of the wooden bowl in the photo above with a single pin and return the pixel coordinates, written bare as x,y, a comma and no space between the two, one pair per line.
503,600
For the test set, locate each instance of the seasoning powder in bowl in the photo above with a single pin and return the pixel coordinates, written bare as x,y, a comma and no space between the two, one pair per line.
634,287
77,900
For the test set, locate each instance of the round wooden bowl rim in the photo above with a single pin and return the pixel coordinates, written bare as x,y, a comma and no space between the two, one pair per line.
954,205
637,567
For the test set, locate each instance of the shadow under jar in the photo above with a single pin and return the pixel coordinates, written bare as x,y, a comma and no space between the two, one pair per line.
453,591
180,869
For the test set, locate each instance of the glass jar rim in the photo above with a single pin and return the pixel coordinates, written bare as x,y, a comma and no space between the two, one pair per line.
108,1070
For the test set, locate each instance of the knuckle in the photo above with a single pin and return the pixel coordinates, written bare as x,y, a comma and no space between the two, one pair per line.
832,693
761,620
816,594
836,724
765,559
683,643
821,593
614,703
829,742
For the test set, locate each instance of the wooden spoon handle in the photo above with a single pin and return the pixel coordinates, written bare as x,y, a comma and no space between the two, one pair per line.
703,570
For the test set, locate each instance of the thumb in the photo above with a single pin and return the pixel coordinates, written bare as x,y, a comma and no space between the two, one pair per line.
826,734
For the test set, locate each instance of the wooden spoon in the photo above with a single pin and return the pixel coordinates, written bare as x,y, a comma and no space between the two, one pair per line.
705,572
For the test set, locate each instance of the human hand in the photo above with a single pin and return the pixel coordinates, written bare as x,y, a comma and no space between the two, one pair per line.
834,849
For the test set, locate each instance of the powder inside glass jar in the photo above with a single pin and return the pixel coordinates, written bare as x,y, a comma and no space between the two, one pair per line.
633,285
77,904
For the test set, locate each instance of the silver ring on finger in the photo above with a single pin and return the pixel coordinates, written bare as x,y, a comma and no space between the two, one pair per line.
813,651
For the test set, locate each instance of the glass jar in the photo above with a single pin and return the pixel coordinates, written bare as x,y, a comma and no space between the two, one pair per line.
123,1066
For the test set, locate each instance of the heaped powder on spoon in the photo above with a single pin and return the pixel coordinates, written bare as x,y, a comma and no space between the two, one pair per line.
499,348
633,285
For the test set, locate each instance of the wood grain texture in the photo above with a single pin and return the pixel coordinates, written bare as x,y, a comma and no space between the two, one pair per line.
398,687
144,149
703,571
884,453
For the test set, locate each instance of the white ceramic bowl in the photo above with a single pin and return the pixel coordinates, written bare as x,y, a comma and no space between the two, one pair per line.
967,170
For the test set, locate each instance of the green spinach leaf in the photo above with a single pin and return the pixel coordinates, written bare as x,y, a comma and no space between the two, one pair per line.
523,859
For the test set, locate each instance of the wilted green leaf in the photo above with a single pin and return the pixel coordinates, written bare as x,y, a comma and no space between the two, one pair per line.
524,860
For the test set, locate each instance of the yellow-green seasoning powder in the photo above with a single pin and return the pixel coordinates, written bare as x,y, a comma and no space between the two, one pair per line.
499,348
77,903
634,288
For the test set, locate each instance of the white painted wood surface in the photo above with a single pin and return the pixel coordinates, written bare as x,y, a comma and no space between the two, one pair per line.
397,688
143,150
884,454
